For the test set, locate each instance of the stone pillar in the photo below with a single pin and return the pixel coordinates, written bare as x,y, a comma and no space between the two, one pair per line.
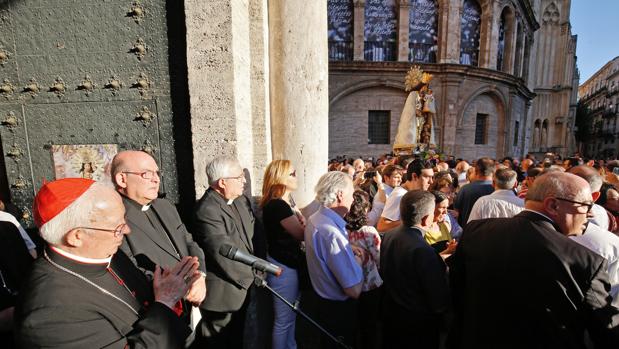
299,89
403,28
449,35
227,63
488,37
359,29
450,104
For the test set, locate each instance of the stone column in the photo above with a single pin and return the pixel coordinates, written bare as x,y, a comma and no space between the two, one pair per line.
488,37
299,89
358,29
227,64
403,27
449,31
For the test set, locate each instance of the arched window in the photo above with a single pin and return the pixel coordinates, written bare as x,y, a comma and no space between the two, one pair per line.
381,24
340,18
501,48
544,138
536,134
469,32
519,46
423,31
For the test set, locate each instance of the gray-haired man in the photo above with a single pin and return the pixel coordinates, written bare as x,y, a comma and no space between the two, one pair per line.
333,268
224,216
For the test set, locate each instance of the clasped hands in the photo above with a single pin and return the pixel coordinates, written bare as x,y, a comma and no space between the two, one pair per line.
184,280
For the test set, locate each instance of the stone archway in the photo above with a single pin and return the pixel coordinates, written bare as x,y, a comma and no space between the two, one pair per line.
480,129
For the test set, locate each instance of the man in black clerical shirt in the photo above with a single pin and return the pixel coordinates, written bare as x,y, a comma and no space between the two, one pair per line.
158,235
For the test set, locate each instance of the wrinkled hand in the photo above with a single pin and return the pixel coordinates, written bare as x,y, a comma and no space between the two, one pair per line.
197,291
170,285
360,254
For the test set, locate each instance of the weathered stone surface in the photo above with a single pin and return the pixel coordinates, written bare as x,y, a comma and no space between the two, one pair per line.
299,89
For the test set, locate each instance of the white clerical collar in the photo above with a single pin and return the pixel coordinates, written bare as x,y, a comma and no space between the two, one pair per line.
230,202
81,259
145,207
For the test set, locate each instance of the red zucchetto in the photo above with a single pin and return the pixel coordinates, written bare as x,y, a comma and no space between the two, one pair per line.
54,197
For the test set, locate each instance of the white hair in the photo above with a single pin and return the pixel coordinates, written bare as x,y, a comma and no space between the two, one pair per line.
220,167
329,185
77,214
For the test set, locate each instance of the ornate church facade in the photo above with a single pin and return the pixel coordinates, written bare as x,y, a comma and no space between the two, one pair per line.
504,83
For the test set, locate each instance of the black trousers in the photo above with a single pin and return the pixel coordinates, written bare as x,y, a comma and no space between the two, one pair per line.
340,319
221,330
415,329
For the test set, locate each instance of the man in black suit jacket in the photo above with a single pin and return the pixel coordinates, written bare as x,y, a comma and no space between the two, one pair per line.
158,236
83,292
522,283
415,280
224,216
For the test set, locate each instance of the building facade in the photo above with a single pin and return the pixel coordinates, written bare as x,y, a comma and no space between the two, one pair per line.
503,74
600,95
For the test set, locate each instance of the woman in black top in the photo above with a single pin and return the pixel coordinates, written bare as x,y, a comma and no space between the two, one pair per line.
284,225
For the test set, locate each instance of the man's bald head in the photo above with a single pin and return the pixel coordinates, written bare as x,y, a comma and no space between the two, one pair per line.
123,160
136,176
590,175
559,184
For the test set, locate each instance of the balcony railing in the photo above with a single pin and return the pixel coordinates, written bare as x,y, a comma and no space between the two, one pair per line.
380,51
469,56
340,50
424,53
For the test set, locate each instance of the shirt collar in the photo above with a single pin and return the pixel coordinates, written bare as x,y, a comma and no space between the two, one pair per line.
81,259
336,218
145,207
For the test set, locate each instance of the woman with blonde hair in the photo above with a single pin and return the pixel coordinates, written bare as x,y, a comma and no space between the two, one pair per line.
284,226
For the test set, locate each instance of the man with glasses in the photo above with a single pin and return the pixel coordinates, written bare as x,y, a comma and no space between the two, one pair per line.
84,293
521,282
159,236
597,238
224,216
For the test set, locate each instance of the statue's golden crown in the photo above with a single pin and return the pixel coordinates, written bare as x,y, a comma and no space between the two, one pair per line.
416,77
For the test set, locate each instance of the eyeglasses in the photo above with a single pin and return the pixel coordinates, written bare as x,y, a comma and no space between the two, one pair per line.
119,231
148,174
239,177
589,205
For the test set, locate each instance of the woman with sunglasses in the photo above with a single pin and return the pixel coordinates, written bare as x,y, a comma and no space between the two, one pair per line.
284,225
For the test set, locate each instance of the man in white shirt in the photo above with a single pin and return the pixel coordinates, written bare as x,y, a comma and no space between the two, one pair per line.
392,178
503,202
419,175
597,238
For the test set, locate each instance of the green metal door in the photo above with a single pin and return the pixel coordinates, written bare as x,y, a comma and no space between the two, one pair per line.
91,73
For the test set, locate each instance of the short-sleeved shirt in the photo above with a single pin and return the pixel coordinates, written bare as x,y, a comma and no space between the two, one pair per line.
330,260
468,195
282,246
392,206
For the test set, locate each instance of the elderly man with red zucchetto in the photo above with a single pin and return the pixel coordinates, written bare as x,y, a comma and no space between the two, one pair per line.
83,292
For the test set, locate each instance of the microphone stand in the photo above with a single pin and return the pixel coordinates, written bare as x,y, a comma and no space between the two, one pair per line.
261,282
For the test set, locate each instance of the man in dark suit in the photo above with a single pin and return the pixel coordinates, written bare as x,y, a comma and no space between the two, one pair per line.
522,283
414,275
158,236
83,292
224,216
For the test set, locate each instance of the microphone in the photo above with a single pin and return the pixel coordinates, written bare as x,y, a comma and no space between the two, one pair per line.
234,254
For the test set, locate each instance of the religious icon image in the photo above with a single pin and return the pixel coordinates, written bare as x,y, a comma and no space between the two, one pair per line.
415,130
90,161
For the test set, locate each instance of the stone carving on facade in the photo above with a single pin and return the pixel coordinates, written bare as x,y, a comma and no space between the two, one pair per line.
416,130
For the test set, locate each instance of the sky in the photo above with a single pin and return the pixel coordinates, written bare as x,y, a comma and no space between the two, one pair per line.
596,22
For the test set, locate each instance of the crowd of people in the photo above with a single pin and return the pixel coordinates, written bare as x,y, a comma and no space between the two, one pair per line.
395,251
